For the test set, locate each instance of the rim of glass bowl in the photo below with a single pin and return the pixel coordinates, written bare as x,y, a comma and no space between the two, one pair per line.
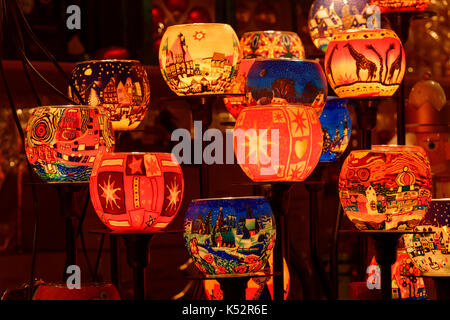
270,31
61,106
107,61
260,59
228,198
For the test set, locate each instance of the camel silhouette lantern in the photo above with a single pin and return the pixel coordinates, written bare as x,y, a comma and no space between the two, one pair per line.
365,63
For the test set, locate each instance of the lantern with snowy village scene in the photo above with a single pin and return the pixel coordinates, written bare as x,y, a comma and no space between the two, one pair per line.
365,63
336,127
121,87
328,17
62,141
271,44
136,191
287,82
199,58
385,190
229,235
400,5
430,250
278,143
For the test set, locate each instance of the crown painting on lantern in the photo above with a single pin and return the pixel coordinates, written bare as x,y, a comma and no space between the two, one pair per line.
199,58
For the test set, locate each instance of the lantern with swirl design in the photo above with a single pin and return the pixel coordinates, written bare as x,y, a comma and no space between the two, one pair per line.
385,190
271,44
62,141
136,191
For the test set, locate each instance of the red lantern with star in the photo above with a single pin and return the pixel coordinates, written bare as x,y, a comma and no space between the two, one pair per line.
136,191
278,143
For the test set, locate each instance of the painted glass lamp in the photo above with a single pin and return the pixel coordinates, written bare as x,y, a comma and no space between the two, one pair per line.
121,87
136,191
401,5
199,58
278,143
62,141
328,17
229,235
271,44
287,82
430,250
385,190
365,63
336,128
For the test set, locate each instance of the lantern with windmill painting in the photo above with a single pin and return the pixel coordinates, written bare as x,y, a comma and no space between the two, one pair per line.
365,63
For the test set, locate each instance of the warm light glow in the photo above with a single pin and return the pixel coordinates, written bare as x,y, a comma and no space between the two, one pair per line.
200,58
121,87
271,44
229,235
136,191
385,189
401,5
287,82
62,141
278,143
365,63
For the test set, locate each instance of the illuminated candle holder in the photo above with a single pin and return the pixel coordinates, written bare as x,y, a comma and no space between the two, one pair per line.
336,127
199,58
278,143
365,63
385,190
62,141
136,191
121,87
287,82
229,235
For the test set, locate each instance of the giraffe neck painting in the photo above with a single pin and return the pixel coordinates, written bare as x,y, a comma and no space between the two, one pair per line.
365,63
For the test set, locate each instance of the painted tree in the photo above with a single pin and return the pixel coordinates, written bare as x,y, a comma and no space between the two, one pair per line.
284,88
93,98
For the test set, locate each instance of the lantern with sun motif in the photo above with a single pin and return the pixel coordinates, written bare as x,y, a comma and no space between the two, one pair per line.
328,17
271,44
336,127
199,58
121,87
278,143
229,235
430,250
385,190
287,82
136,191
400,5
365,63
62,141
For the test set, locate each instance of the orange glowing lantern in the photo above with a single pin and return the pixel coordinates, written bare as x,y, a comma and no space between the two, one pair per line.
278,143
401,5
136,191
365,63
389,189
271,44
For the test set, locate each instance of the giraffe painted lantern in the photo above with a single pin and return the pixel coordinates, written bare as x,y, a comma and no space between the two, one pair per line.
385,190
199,58
136,191
121,87
271,44
287,82
278,143
62,141
229,235
430,250
400,5
328,17
365,63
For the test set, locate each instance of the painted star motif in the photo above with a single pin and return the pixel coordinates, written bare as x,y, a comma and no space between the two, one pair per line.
174,191
300,123
109,193
258,145
199,35
135,166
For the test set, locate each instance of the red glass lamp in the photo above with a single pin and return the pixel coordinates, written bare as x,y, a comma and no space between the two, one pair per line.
136,191
385,190
401,5
365,63
278,143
